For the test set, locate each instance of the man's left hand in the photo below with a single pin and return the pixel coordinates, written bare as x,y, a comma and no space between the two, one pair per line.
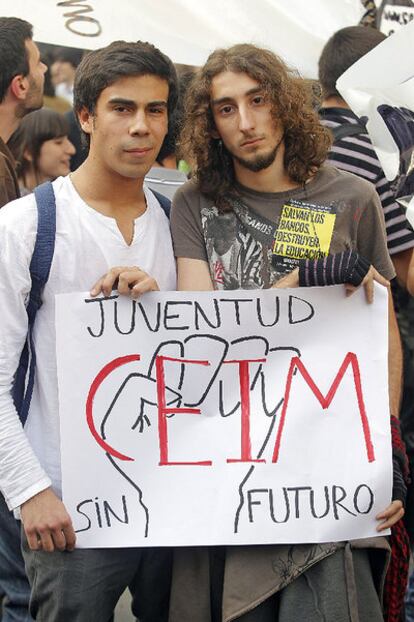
391,515
368,284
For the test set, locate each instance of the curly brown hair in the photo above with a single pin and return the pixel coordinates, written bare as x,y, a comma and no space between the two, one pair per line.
306,141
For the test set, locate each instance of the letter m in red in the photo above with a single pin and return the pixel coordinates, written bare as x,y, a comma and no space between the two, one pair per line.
325,400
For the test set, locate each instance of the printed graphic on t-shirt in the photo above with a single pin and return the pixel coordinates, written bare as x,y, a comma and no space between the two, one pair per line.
304,231
235,257
248,251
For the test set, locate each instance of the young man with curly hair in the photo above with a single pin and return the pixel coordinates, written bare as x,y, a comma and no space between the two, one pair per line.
257,150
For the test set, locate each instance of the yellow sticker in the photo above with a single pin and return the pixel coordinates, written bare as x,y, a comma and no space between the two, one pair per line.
303,233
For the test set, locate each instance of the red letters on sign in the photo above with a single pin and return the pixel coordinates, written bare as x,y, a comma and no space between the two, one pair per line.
163,411
350,360
325,401
98,380
244,377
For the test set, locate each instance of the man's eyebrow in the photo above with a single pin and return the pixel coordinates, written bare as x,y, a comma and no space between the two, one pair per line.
130,103
221,100
227,99
122,101
255,90
158,102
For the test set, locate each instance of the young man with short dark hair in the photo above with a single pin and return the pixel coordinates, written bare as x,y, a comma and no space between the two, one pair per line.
21,91
256,147
109,229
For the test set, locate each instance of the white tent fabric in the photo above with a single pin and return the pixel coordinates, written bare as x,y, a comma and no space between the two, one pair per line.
188,30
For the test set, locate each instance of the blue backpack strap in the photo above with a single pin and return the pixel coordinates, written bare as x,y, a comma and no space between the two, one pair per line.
163,201
39,271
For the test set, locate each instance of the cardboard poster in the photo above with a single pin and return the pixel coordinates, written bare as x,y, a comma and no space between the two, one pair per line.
233,417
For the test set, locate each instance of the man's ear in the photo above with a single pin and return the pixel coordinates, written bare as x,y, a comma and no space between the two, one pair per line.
19,87
27,155
85,120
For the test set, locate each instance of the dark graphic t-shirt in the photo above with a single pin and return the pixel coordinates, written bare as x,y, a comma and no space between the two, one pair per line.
266,234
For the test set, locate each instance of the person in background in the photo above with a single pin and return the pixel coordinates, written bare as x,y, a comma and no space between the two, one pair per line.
63,71
21,90
41,148
50,99
75,137
353,151
164,177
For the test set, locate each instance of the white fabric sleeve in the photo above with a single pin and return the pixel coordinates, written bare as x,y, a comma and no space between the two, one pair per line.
21,475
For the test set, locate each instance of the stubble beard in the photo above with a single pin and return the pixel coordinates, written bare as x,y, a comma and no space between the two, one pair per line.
259,162
34,100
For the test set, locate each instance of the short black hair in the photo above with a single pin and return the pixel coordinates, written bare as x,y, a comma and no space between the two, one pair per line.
101,68
342,50
14,61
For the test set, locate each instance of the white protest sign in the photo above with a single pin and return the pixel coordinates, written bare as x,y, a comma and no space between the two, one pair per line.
230,417
393,16
378,82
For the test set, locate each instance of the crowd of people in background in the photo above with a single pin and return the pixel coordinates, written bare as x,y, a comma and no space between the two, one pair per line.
123,132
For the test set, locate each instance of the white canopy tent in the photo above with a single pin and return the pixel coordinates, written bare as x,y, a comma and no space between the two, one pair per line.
188,31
